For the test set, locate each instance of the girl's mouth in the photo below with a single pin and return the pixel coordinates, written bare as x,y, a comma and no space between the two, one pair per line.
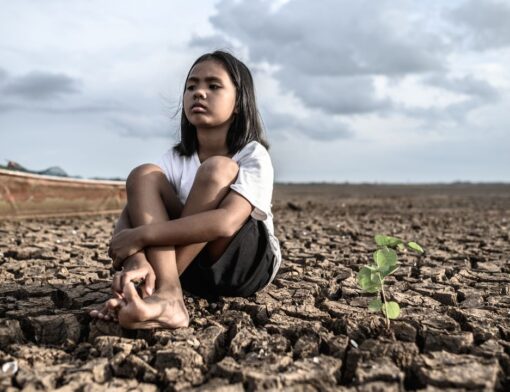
198,108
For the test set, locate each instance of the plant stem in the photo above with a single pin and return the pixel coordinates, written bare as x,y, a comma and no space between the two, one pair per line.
384,300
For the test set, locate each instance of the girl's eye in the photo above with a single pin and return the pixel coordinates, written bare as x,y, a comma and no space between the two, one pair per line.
190,87
214,86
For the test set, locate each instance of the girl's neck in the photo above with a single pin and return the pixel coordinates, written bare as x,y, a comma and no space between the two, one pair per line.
212,142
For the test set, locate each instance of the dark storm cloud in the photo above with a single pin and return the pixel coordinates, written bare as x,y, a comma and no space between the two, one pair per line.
40,86
486,24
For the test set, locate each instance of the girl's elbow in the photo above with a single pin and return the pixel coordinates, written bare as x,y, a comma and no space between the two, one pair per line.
225,230
229,227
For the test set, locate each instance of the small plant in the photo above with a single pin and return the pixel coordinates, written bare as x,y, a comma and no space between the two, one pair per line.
371,278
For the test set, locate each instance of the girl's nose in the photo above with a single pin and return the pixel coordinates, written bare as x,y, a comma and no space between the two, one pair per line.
199,94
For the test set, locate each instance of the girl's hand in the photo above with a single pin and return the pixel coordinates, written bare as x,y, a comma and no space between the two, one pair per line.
124,244
136,268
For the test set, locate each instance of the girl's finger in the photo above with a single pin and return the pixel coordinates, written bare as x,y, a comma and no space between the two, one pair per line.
117,295
150,283
110,308
129,276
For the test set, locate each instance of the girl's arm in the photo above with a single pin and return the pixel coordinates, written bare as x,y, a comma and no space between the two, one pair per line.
123,223
206,226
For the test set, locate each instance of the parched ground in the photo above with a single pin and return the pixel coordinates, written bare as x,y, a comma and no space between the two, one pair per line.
309,330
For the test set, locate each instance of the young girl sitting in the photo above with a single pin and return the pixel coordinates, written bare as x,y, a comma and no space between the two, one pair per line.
200,219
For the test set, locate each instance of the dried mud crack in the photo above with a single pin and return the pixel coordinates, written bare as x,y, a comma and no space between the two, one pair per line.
309,330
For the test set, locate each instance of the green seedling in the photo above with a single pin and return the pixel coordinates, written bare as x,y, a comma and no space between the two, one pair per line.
371,278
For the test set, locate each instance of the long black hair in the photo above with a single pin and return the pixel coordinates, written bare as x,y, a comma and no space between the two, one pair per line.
246,125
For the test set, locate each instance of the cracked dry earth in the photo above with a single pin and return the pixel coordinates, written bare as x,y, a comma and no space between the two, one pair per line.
309,330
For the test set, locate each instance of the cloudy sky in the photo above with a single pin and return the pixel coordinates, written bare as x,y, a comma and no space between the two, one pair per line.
377,91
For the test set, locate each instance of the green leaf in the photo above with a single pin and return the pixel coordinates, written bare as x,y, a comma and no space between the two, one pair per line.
391,309
364,277
375,277
386,240
373,267
366,280
414,246
385,257
375,305
391,269
401,247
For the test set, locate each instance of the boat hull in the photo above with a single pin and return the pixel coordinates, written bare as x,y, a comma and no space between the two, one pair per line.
31,195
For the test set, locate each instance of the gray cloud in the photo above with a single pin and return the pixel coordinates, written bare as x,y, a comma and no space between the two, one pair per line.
143,126
317,126
335,95
485,23
93,108
8,107
466,85
478,93
40,85
3,75
215,41
36,90
330,37
329,53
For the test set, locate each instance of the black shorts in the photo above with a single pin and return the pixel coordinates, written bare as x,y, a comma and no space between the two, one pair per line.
245,267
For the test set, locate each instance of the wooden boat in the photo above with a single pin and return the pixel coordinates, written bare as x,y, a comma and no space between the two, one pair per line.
32,195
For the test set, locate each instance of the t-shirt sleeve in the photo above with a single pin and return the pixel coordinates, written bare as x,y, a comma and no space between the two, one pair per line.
165,163
255,179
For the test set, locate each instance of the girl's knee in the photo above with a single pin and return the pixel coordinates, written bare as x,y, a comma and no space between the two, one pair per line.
218,169
144,173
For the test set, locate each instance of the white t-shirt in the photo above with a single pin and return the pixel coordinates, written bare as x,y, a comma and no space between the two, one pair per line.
254,182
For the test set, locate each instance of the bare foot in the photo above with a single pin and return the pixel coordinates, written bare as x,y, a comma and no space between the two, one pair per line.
135,268
163,309
108,311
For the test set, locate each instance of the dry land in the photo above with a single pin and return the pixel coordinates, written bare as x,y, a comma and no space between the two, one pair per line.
309,330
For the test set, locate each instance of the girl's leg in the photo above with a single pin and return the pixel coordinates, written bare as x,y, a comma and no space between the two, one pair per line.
137,262
147,194
211,186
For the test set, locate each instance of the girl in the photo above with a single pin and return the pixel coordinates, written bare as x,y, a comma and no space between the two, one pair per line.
200,219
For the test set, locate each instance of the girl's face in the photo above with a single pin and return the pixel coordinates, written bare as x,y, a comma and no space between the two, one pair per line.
210,96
